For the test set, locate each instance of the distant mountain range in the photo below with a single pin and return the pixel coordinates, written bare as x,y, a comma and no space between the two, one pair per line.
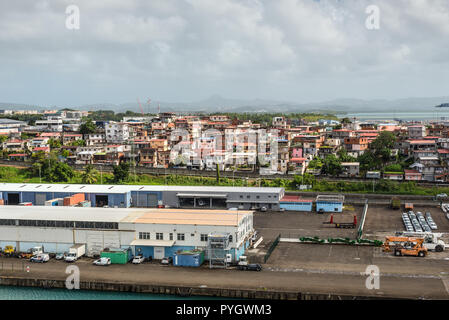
217,103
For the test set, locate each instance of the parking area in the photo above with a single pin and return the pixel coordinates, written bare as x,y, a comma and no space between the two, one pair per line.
383,219
292,224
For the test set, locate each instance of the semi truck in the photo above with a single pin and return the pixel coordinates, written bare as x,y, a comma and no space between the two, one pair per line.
75,252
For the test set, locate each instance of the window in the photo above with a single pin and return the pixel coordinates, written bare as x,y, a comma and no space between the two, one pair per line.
181,236
159,236
144,235
230,238
171,236
248,196
203,237
241,197
257,197
192,234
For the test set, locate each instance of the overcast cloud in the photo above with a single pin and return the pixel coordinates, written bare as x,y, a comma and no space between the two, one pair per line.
187,50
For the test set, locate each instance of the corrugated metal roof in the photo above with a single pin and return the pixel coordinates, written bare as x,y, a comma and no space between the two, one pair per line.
98,188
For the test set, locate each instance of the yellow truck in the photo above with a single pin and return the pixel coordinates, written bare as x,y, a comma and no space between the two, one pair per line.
9,251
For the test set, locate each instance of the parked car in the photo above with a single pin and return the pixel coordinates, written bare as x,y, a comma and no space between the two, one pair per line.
61,256
167,260
102,262
41,257
251,267
138,259
263,209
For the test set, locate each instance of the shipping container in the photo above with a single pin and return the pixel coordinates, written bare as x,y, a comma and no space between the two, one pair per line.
74,199
117,256
53,202
194,258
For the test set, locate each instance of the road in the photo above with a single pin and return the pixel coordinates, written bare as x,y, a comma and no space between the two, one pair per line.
293,280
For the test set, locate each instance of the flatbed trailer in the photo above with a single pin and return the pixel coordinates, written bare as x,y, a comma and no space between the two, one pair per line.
342,225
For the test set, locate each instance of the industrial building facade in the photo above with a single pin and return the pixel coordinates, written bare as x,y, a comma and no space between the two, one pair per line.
152,232
125,196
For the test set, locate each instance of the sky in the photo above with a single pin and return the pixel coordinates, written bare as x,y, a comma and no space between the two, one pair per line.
187,50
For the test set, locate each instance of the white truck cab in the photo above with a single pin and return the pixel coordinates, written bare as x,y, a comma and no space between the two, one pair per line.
432,240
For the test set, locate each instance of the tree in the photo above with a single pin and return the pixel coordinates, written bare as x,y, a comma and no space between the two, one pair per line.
78,143
88,127
331,165
367,161
54,143
3,138
121,172
315,163
381,147
89,175
346,120
51,169
344,156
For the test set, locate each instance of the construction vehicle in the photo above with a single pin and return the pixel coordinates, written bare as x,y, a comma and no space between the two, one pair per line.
432,241
345,225
9,251
31,252
405,246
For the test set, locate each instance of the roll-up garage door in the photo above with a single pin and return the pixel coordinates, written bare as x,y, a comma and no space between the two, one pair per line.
152,200
142,200
40,199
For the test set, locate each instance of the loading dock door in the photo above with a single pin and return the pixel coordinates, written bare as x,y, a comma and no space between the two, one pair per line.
40,199
152,200
141,200
101,201
159,253
13,198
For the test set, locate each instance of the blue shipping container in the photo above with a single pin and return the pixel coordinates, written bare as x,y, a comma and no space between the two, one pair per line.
188,260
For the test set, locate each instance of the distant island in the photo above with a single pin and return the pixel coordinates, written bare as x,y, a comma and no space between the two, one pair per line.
443,105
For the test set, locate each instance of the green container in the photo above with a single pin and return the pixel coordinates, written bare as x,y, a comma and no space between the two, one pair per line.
116,256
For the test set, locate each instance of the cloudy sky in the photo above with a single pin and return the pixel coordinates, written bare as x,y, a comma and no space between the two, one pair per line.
187,50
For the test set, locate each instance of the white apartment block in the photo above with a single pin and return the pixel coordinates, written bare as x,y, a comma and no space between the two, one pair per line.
116,132
53,124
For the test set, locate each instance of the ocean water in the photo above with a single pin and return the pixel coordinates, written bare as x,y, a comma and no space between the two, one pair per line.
434,115
32,293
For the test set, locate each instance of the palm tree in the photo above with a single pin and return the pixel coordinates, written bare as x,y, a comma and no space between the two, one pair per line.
89,175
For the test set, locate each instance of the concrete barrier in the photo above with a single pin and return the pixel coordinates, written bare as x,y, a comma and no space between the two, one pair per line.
182,291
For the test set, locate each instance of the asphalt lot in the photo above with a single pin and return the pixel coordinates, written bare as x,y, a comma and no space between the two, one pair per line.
271,278
384,219
298,224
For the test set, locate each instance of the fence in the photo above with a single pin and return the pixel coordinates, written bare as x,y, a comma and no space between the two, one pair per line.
272,247
12,266
362,220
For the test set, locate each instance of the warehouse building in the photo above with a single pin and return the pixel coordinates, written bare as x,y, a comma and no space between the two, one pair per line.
295,203
152,232
125,196
329,203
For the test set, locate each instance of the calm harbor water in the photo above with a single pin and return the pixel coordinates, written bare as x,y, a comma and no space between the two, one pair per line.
31,293
435,115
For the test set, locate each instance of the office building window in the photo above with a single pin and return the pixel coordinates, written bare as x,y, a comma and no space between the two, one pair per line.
144,235
159,236
204,237
171,236
181,236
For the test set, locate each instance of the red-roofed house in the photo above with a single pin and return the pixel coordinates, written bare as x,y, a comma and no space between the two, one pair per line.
412,175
